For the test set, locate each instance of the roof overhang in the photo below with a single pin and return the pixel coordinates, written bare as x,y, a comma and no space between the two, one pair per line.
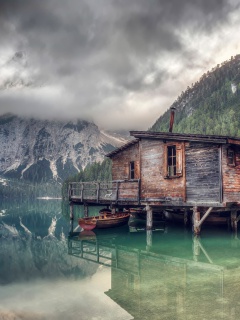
185,137
123,147
174,137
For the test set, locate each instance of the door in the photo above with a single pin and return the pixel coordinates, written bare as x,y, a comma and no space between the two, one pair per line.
202,173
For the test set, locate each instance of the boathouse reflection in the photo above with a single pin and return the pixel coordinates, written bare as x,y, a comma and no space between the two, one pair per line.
195,282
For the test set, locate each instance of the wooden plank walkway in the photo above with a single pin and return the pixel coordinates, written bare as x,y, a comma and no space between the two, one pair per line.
119,191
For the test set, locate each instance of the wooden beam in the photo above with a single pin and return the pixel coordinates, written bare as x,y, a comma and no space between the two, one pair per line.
139,190
205,252
117,191
206,214
179,136
233,141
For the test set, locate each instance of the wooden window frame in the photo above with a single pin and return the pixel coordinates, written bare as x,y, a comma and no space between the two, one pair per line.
132,170
171,161
178,171
231,157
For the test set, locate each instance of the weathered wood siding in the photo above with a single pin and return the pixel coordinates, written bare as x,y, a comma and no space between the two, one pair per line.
202,173
231,177
128,191
121,163
154,184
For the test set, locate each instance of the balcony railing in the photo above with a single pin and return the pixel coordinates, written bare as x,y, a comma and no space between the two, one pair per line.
105,192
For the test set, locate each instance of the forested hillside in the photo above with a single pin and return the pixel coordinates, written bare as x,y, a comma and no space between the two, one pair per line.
211,105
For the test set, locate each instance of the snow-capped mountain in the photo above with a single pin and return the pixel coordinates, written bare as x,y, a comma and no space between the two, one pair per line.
41,150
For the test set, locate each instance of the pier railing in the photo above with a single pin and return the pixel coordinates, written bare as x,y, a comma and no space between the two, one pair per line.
105,191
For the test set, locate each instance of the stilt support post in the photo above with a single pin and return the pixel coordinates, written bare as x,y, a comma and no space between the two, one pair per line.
71,217
149,218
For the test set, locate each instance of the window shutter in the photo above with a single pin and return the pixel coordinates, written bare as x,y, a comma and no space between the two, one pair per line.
137,170
165,161
179,163
126,171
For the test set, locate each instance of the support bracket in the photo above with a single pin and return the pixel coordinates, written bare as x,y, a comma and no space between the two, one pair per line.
204,217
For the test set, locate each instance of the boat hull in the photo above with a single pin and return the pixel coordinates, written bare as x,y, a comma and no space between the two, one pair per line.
87,225
111,223
104,221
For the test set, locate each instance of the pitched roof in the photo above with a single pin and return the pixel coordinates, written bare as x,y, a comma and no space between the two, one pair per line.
123,147
175,137
185,137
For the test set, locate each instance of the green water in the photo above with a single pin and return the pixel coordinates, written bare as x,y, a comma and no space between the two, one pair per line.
122,273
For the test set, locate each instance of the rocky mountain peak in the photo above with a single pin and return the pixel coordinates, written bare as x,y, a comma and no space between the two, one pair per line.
40,150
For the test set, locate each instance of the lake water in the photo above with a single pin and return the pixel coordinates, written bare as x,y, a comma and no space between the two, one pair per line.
122,273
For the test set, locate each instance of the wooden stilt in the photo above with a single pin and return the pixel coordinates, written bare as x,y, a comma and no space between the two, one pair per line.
185,217
196,248
85,208
71,217
149,239
196,219
149,217
234,220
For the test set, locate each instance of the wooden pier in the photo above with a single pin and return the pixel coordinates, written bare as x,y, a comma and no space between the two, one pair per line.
119,192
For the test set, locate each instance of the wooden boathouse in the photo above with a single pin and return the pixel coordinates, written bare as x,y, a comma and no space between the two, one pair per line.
195,175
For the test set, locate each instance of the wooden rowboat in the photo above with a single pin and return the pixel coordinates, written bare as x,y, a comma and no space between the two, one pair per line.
104,220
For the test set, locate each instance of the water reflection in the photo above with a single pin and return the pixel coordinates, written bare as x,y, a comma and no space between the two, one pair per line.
38,279
177,277
122,273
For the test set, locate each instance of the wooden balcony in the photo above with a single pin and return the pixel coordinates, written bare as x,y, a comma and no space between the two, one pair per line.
117,192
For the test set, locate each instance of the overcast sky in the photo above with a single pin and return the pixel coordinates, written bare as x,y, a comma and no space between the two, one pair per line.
119,63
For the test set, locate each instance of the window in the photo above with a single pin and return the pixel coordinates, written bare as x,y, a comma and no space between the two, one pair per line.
230,157
171,161
132,176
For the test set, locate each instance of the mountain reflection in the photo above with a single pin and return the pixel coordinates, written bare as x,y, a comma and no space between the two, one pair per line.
176,277
38,279
33,244
112,274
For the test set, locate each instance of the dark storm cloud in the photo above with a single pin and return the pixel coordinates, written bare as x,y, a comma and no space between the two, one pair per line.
100,50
